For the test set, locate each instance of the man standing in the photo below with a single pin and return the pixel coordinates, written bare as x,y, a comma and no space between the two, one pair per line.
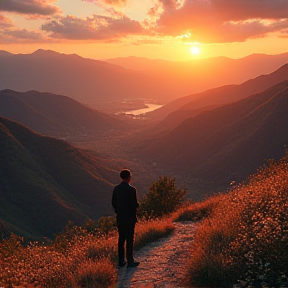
124,202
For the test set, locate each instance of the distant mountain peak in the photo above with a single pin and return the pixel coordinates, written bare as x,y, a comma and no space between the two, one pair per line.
7,91
43,52
4,53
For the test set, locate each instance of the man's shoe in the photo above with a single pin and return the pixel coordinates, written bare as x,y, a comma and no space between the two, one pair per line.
133,264
121,263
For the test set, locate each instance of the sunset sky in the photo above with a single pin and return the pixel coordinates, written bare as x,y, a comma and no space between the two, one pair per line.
166,29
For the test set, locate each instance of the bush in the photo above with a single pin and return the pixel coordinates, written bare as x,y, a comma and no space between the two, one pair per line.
163,198
107,224
96,274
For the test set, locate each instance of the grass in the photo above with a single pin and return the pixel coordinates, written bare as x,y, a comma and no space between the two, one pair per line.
150,230
245,238
76,258
196,211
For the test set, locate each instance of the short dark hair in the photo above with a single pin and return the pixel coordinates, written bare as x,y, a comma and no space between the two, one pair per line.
125,174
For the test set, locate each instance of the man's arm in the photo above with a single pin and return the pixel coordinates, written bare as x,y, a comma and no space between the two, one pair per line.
135,201
114,201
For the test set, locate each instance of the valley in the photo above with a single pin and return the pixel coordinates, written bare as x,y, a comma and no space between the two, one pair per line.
205,140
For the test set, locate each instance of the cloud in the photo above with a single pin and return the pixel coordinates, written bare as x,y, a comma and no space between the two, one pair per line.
5,22
109,2
248,9
219,20
92,28
31,7
115,2
284,34
236,31
10,34
24,34
20,36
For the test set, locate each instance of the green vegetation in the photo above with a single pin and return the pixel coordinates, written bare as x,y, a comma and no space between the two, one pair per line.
163,198
245,238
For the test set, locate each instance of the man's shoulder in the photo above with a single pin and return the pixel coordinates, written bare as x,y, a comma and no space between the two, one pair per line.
116,186
121,185
132,187
124,186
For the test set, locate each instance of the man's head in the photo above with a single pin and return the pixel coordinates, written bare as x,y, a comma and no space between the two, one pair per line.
125,175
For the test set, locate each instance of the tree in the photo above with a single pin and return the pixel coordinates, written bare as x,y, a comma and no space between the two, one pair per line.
163,198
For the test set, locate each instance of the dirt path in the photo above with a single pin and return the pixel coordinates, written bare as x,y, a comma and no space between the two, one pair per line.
162,262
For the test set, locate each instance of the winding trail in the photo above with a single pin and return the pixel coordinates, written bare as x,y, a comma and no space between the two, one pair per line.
162,263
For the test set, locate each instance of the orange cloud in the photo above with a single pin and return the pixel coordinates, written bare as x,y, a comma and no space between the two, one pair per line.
284,34
37,7
5,22
109,2
10,34
115,2
207,21
21,35
220,20
92,28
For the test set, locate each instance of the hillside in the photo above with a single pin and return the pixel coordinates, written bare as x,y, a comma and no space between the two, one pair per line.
53,115
44,182
218,96
94,82
227,143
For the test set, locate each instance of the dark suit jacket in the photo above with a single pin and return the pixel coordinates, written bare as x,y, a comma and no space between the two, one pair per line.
124,202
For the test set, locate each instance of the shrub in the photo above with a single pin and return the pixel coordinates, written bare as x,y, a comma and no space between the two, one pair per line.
96,274
163,198
106,224
10,246
65,238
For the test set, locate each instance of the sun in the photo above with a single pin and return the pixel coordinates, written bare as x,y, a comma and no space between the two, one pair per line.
195,50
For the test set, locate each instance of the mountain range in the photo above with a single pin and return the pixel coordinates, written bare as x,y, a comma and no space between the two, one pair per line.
53,115
93,81
171,115
85,80
253,65
46,182
227,143
182,106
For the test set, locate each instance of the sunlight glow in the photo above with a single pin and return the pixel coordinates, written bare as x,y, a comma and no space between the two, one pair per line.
195,50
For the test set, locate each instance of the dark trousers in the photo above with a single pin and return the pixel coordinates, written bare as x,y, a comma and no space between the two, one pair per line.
126,233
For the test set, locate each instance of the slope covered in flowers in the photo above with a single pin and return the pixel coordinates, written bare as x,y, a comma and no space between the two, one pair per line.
245,238
76,258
